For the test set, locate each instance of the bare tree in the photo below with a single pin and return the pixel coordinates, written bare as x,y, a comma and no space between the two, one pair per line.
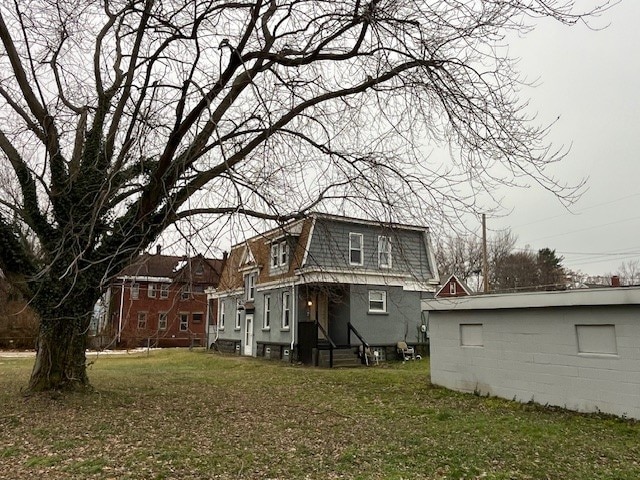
629,272
124,117
460,255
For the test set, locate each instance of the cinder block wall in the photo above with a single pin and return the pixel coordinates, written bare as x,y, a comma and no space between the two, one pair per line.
581,358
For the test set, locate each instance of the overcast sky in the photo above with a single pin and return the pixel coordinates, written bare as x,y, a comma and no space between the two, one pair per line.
591,80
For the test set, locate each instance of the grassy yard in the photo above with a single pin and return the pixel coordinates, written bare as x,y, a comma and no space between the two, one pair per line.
180,414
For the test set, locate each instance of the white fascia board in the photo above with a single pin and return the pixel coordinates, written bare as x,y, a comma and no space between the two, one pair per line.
145,278
564,298
432,258
217,294
308,245
363,278
373,223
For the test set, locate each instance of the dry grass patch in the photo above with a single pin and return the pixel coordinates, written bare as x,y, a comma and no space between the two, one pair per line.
180,414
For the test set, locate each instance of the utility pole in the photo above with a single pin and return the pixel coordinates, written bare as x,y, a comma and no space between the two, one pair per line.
485,261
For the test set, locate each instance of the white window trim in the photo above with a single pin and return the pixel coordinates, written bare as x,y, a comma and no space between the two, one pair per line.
384,301
135,287
286,307
152,290
353,235
250,282
164,290
221,314
283,251
381,252
146,320
452,288
238,324
180,322
266,314
166,320
275,255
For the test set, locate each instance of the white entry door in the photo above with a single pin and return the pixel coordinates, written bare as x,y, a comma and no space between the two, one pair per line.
248,334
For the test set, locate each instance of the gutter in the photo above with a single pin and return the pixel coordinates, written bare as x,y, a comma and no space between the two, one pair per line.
294,318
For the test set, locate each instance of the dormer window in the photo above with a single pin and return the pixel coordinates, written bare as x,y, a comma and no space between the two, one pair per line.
250,285
279,255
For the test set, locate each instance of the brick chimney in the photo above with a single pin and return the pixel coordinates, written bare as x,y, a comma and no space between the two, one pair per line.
158,249
615,281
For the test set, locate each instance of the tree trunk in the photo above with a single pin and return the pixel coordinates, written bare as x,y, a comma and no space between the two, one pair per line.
60,358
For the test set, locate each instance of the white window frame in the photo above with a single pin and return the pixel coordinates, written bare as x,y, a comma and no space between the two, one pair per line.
221,314
185,293
184,325
382,300
266,314
250,285
152,290
360,249
163,320
275,255
142,320
135,291
452,288
382,239
284,253
286,310
238,324
164,290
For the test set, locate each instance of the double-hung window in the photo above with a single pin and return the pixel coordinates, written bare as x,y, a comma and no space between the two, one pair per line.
135,291
355,249
384,252
142,320
279,255
162,321
286,310
250,285
184,322
164,290
275,255
221,316
151,290
238,318
377,301
266,319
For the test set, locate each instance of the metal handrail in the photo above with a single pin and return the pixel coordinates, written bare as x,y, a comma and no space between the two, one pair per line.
332,345
365,345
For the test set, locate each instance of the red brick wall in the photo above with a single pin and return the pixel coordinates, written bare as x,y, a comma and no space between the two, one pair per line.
175,334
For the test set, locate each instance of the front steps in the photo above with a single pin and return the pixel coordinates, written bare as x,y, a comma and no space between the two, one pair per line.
342,357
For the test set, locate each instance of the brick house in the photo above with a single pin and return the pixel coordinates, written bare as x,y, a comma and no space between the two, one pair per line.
160,300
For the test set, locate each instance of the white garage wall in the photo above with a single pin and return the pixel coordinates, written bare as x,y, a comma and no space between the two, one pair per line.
580,357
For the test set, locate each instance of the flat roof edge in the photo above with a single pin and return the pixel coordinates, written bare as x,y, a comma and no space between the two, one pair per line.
566,298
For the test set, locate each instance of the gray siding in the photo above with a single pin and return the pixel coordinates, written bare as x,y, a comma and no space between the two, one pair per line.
329,248
401,322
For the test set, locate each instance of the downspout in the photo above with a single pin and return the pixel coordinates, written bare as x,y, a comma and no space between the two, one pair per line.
294,317
121,311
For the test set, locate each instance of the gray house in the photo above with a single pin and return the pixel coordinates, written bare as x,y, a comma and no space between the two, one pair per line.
323,288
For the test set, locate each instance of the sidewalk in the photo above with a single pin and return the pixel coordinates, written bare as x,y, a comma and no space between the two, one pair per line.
32,353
